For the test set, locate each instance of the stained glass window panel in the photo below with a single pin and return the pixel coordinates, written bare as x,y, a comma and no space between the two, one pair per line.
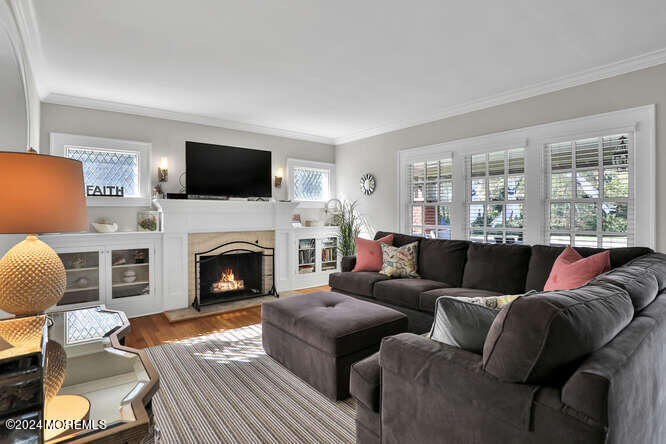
311,184
108,168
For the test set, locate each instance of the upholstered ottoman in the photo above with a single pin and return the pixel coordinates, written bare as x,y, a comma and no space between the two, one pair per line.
318,336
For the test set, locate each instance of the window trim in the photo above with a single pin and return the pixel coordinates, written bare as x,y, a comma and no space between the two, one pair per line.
301,163
639,120
143,149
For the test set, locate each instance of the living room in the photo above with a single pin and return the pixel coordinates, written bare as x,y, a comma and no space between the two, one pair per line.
332,222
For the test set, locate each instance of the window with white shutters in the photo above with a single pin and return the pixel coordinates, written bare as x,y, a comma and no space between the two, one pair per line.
589,198
431,195
496,196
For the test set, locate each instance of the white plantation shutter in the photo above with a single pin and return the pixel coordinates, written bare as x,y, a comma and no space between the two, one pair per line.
495,198
430,185
589,196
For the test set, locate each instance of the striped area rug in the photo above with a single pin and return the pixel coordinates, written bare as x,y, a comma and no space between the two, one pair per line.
224,388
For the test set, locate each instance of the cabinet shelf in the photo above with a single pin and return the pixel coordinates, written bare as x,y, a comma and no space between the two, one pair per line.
145,264
81,269
72,290
129,284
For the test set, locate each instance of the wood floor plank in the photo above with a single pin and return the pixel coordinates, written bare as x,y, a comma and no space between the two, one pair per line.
148,331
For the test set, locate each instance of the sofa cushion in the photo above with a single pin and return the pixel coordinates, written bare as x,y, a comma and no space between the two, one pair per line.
404,292
571,270
400,262
427,299
464,322
543,257
443,260
539,338
497,267
364,382
360,282
643,278
369,253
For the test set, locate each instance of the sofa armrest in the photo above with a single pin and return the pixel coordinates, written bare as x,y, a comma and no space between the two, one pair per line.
348,263
449,376
364,382
617,380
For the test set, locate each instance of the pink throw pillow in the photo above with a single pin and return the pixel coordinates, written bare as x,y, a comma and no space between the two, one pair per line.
369,253
571,270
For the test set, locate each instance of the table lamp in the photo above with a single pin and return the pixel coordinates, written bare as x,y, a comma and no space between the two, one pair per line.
38,194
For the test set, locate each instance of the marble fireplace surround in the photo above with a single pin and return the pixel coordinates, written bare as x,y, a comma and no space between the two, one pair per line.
188,224
200,242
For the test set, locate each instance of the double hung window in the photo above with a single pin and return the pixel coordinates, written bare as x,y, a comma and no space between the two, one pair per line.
496,196
589,193
431,196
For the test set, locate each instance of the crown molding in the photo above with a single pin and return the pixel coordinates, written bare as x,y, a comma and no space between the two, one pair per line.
28,26
647,60
104,105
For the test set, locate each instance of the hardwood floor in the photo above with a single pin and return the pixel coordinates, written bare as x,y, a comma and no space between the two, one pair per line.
148,331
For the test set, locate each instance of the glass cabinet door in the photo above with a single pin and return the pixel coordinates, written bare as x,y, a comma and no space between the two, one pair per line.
329,254
306,255
83,273
130,273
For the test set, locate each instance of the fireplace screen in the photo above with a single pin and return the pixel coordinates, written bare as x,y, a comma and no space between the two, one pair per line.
232,275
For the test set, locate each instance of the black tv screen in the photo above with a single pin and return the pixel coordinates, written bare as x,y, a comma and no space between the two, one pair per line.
229,171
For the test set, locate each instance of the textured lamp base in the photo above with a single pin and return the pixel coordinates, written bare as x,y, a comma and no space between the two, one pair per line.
32,278
54,370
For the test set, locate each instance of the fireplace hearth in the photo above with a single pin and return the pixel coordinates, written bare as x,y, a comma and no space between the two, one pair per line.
232,271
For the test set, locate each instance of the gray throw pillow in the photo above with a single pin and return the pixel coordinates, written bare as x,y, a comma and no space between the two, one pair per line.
464,322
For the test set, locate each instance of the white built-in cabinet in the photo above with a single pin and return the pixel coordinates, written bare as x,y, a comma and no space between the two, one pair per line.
119,270
316,256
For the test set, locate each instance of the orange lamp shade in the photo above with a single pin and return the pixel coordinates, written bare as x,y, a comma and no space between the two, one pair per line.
41,194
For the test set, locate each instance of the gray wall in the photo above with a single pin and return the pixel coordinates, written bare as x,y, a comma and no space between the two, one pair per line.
377,155
168,139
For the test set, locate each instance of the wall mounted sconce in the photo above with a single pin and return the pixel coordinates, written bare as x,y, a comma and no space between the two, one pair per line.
278,177
163,170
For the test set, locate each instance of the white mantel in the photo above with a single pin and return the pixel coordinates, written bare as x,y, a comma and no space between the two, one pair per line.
183,217
205,216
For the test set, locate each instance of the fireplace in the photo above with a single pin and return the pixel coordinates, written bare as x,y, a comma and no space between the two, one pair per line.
233,274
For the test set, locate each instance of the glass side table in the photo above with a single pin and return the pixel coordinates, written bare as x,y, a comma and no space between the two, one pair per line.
89,376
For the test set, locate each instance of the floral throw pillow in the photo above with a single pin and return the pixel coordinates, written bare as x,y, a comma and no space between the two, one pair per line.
400,261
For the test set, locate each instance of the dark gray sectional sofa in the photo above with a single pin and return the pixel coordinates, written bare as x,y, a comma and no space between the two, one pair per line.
586,365
459,268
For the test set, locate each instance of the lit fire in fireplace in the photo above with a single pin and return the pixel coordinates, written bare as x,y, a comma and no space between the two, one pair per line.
227,282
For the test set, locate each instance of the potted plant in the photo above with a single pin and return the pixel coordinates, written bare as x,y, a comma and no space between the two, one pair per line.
349,224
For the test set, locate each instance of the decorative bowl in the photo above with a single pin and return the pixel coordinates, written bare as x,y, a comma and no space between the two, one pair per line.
105,228
129,276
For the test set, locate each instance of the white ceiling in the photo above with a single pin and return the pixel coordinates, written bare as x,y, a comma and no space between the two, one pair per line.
339,69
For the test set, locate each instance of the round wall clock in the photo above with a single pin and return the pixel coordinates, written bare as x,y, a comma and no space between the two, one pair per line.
368,184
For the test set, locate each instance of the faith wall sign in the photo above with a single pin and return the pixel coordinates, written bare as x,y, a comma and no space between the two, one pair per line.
105,191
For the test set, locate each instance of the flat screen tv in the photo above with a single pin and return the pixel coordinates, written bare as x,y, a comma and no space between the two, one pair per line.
227,171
